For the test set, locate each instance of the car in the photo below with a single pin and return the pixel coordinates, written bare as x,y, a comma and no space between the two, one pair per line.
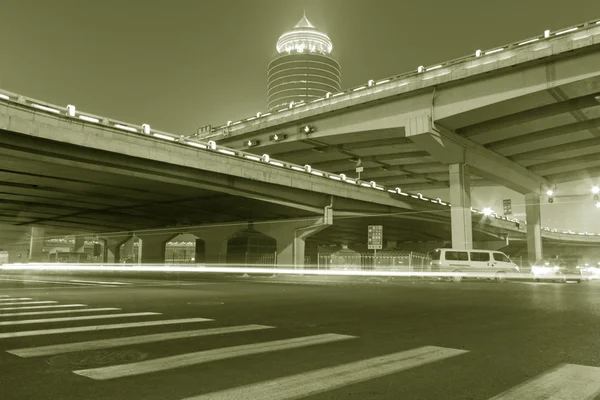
559,270
457,264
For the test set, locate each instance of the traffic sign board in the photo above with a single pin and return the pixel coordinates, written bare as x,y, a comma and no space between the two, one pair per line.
375,237
359,169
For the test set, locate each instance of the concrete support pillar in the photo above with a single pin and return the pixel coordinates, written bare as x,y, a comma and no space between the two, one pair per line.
213,246
36,245
112,248
291,237
534,227
460,200
79,244
152,247
127,249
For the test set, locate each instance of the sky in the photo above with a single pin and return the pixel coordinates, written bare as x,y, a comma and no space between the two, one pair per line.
181,64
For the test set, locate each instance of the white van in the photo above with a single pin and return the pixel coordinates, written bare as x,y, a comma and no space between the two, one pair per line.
473,263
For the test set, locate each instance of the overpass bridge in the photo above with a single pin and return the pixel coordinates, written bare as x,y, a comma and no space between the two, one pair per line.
525,115
66,169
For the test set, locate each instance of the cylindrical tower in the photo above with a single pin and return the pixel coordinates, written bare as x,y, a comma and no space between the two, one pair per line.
304,69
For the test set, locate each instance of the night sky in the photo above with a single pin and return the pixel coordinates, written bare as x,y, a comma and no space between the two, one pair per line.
180,64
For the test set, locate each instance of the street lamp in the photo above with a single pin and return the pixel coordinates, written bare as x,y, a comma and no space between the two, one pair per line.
596,190
487,211
550,193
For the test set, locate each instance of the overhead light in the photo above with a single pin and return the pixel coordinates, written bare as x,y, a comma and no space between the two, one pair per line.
370,83
71,110
146,129
547,33
266,158
550,193
420,69
598,204
595,189
277,137
478,53
251,143
487,211
308,129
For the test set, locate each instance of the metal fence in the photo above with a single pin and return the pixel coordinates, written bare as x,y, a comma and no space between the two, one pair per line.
401,261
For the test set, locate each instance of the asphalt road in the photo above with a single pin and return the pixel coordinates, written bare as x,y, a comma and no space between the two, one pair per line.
268,339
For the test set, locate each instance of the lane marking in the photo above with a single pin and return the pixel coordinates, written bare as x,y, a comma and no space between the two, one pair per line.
321,380
568,381
40,332
98,282
16,298
36,307
30,302
199,357
48,320
78,310
107,343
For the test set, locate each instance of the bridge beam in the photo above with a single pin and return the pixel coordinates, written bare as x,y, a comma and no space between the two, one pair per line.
450,148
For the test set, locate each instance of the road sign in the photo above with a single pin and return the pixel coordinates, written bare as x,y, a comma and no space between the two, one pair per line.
375,237
359,169
507,203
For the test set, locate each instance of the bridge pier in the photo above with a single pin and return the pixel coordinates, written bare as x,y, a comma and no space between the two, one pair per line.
112,247
151,249
214,240
534,227
460,210
36,245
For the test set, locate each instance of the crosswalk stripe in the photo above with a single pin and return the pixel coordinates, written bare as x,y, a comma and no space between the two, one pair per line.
78,310
102,283
36,307
16,298
568,381
107,343
321,380
184,360
40,332
30,302
61,319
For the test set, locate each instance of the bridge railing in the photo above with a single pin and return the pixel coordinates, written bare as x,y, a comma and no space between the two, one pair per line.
391,81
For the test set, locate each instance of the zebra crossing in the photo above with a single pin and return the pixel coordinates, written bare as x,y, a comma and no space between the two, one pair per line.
566,381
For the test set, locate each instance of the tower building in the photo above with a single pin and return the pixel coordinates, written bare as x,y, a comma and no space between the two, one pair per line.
303,69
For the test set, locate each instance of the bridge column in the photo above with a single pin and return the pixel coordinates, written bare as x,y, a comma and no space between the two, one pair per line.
36,245
460,210
79,244
534,227
291,237
151,249
127,250
112,247
215,242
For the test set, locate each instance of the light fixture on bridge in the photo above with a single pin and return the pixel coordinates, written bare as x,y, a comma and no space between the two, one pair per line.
277,137
308,129
71,110
251,143
487,211
266,158
420,69
478,53
598,204
146,129
212,145
370,83
343,177
308,168
547,33
550,193
291,105
258,115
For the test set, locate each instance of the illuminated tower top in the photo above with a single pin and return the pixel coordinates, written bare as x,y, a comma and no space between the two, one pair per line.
304,38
